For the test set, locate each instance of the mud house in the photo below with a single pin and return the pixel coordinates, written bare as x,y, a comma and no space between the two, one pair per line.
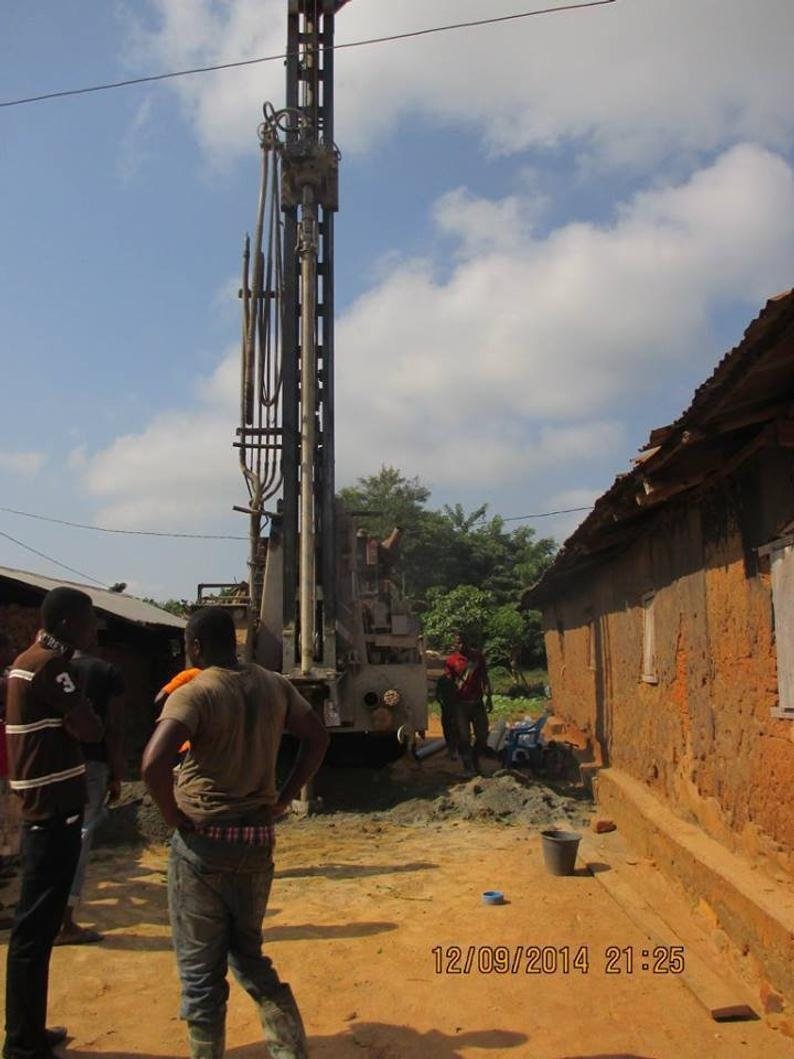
669,625
142,640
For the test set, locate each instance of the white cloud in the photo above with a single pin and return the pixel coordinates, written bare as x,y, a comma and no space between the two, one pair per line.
629,83
558,331
22,462
77,459
179,471
482,225
519,364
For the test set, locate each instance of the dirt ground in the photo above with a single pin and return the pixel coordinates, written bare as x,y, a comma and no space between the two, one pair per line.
371,901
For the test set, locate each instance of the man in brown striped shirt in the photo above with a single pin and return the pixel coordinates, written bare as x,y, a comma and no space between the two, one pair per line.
46,718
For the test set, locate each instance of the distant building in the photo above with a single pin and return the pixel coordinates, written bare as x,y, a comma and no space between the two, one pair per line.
144,641
669,620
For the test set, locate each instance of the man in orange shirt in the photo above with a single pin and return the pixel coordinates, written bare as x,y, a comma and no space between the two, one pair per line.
184,676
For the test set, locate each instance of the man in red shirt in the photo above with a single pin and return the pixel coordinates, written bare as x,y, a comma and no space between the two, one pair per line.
466,668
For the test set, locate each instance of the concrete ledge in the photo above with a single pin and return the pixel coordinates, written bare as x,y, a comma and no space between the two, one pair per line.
754,911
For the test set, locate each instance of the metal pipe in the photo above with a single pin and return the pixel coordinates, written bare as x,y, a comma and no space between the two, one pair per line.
255,532
307,250
434,747
328,544
256,294
246,292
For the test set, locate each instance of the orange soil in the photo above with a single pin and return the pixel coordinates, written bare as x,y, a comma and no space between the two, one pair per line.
353,920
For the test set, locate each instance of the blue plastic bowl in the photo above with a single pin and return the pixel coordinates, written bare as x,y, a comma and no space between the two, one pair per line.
493,897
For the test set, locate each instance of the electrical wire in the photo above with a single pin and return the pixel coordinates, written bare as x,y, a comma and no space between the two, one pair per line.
227,536
547,514
285,55
50,559
192,536
134,533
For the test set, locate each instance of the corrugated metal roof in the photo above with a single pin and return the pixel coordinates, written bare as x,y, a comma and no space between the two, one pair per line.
752,384
128,608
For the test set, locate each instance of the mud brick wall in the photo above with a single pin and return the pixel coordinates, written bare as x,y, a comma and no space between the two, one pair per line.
702,737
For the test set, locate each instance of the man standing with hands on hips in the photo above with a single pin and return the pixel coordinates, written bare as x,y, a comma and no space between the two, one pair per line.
223,808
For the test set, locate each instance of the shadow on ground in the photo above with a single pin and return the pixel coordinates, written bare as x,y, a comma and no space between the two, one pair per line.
299,932
366,1038
371,790
352,871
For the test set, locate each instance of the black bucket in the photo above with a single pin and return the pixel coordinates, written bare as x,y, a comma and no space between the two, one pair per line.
559,850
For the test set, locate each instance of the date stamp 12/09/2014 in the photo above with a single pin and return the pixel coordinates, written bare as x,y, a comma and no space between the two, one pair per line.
557,959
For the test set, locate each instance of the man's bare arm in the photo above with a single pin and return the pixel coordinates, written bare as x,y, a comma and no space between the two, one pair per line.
157,769
314,741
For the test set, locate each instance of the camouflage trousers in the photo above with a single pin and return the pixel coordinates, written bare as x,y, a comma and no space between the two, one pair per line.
217,897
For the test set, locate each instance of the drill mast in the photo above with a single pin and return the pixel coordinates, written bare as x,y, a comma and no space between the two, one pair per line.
286,436
322,605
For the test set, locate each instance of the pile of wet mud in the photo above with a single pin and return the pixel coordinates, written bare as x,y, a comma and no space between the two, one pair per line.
402,795
506,797
136,820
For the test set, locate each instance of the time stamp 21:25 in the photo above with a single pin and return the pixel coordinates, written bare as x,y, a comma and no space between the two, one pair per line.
557,959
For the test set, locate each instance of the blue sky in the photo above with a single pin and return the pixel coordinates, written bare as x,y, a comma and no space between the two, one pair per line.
550,232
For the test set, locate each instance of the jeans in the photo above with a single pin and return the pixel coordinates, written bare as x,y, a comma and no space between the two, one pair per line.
49,853
217,896
96,777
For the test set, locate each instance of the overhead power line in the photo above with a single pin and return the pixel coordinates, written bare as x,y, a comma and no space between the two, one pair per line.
547,514
133,533
57,562
285,55
224,536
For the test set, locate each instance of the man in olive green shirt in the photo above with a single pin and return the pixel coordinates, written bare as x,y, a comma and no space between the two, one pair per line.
223,807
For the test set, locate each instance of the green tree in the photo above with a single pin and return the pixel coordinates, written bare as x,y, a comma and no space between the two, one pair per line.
507,639
387,499
429,555
464,609
449,549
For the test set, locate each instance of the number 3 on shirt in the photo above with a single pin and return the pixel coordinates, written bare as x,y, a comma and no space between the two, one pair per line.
66,683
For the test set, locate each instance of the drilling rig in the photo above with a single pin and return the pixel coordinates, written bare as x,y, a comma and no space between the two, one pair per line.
321,604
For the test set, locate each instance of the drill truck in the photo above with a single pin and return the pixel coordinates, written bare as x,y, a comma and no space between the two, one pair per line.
322,603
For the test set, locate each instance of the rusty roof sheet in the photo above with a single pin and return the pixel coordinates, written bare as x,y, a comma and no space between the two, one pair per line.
751,383
128,608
